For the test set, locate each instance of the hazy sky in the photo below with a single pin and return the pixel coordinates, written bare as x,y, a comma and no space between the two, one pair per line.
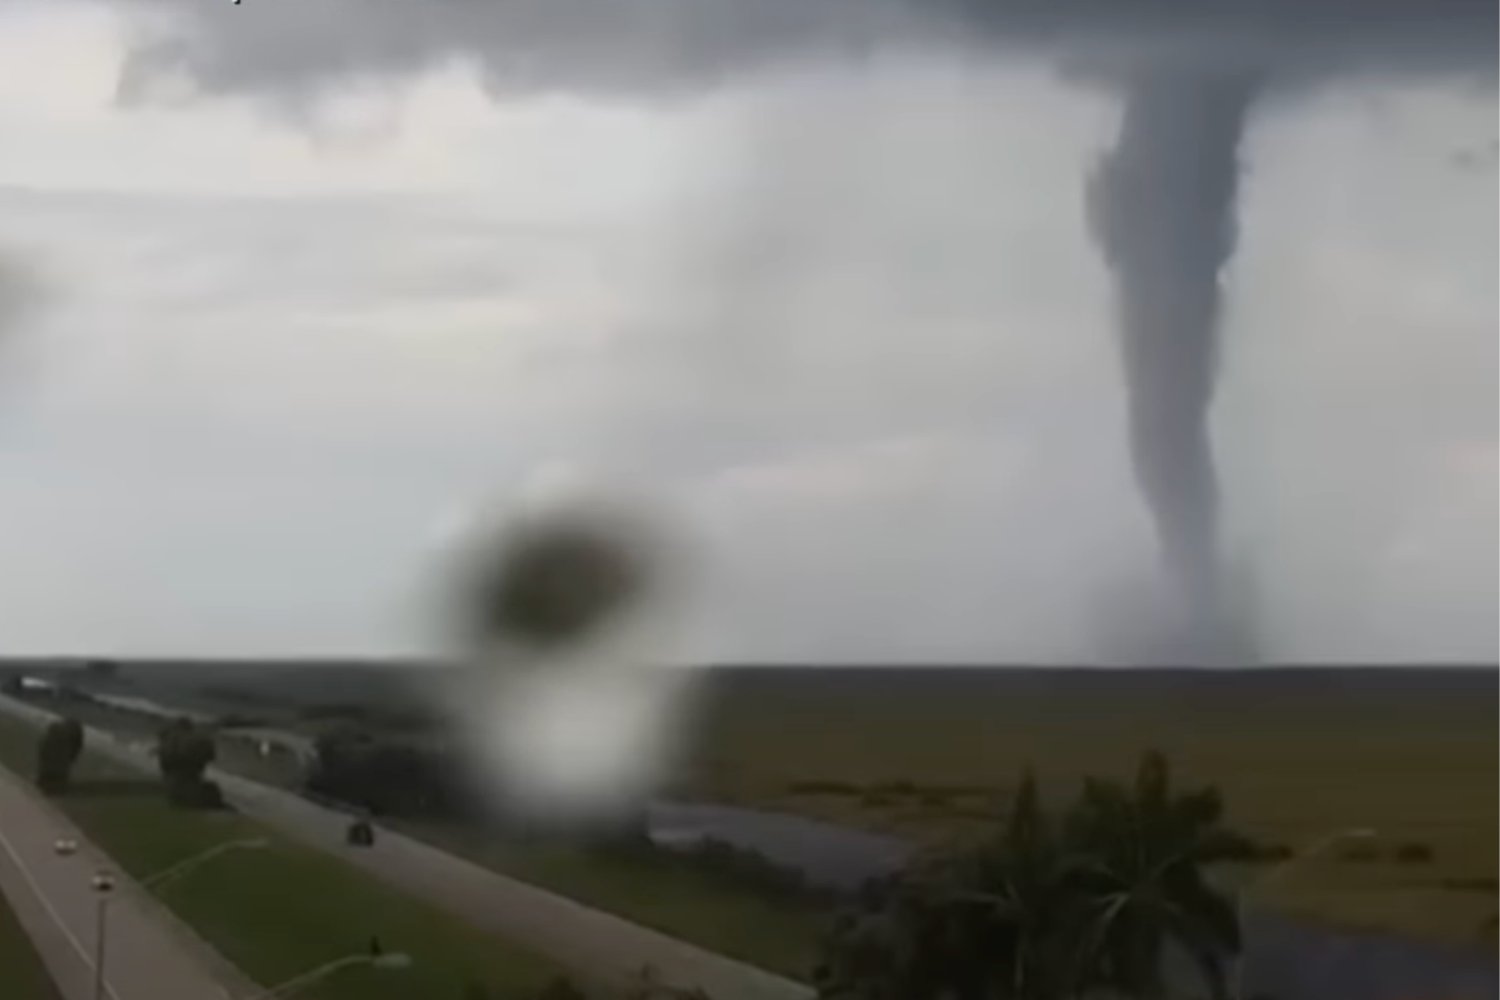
294,312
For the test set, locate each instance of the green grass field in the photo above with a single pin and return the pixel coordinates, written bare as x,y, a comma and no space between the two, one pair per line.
931,755
770,931
22,975
281,910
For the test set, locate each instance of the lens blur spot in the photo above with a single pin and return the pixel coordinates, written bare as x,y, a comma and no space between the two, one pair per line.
557,581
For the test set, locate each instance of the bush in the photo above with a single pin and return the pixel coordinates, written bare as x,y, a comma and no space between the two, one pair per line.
56,753
874,800
183,751
1413,853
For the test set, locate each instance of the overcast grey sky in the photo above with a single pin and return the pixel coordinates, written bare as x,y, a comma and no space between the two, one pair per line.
311,286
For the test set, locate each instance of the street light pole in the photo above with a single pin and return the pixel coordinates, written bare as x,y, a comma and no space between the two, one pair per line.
1242,898
104,884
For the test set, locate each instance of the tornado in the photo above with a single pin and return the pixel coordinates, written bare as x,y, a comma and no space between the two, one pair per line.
1162,205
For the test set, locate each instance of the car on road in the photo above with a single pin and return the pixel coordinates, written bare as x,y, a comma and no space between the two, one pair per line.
360,834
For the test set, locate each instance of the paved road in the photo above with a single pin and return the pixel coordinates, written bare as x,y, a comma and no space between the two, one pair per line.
593,943
147,959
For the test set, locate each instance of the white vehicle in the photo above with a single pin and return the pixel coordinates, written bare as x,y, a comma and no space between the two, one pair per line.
65,846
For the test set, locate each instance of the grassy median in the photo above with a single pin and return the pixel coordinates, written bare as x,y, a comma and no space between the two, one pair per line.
771,929
774,930
22,974
283,909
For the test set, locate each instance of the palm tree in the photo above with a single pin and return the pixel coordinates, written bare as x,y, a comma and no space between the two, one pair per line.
1028,873
1047,913
989,924
1141,854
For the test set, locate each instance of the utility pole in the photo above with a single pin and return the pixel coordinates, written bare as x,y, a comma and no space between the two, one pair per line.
104,884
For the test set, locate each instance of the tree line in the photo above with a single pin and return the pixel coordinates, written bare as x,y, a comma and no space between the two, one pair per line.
391,778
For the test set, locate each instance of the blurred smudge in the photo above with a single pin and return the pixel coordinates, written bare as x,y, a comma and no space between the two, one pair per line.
570,702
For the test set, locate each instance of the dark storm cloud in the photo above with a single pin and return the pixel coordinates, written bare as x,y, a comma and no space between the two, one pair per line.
292,49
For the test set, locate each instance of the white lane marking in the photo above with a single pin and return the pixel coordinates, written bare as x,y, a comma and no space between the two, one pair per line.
57,919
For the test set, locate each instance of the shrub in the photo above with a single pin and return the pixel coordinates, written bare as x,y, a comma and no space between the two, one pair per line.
874,800
1414,853
183,751
56,753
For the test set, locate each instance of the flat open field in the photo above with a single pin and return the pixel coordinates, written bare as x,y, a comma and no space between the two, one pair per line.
1298,754
281,910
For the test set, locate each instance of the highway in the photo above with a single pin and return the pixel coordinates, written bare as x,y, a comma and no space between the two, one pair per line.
149,956
594,944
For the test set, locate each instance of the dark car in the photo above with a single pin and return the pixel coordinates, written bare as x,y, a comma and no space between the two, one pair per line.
360,833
